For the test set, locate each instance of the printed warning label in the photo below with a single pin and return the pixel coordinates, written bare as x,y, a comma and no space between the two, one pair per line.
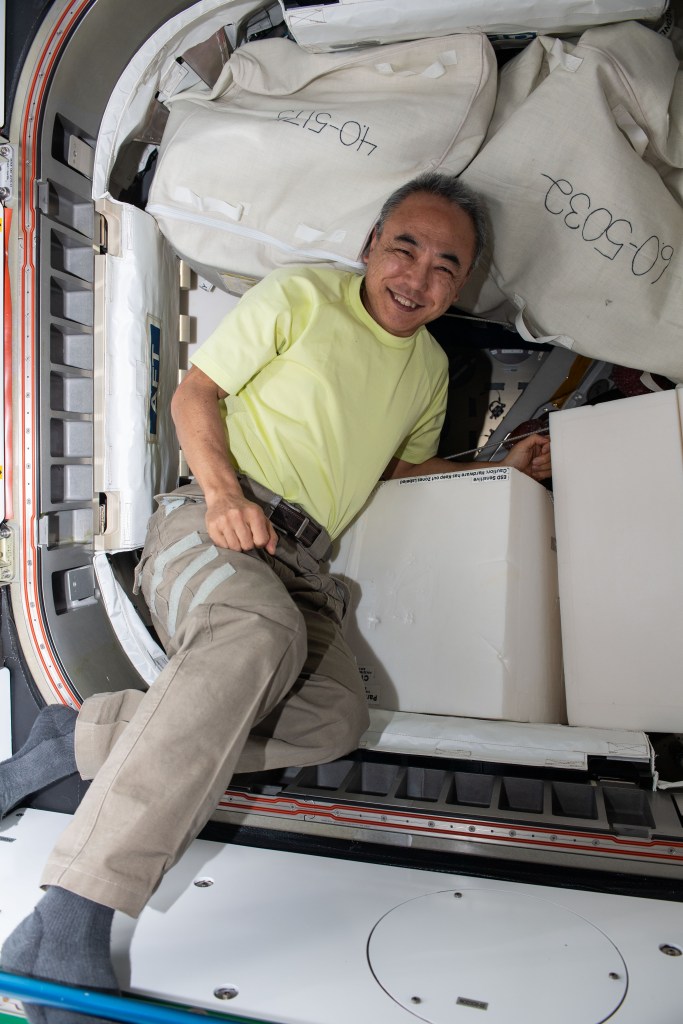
493,473
489,476
372,689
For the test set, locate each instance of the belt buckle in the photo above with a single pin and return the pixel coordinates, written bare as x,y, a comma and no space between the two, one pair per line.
299,533
278,510
271,508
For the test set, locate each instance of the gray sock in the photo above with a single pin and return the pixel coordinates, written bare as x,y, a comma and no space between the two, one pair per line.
67,939
46,756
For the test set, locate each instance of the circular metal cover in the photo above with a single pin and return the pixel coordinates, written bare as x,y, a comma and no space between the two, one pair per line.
496,957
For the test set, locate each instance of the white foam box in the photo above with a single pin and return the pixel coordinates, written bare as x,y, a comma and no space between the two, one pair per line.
618,483
454,597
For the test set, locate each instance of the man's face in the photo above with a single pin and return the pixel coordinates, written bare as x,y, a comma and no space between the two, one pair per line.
419,263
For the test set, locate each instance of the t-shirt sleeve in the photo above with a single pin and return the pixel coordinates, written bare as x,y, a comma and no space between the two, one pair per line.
249,337
423,441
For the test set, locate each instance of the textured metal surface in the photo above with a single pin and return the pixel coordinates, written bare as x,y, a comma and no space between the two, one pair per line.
588,821
66,84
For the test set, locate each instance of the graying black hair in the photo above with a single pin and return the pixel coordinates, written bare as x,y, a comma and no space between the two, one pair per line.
450,188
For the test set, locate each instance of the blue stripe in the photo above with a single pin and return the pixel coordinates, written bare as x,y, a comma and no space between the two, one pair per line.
110,1007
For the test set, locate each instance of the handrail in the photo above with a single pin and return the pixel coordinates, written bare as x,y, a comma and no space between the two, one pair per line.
129,1009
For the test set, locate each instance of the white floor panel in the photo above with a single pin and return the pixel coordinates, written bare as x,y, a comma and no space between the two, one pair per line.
312,940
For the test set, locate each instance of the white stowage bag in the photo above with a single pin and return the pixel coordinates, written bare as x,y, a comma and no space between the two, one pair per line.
136,371
290,157
320,27
582,170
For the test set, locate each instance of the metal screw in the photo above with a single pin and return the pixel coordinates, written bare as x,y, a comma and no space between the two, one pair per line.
458,895
226,992
415,999
203,883
670,950
614,976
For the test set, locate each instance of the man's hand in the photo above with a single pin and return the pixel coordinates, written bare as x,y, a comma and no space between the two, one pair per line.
531,456
241,525
231,520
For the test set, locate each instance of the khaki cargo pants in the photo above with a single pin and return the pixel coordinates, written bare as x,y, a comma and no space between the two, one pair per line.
259,677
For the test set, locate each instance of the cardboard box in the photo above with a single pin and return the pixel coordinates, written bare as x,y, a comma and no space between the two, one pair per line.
454,597
618,483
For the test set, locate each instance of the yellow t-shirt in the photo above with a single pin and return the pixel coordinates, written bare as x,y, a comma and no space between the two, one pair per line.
320,397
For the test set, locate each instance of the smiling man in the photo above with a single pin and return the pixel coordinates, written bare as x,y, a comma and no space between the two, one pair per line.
319,383
420,255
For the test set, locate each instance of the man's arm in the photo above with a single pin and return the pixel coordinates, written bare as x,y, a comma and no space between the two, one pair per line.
530,456
231,520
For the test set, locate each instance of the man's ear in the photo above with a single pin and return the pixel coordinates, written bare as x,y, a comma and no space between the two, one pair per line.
369,245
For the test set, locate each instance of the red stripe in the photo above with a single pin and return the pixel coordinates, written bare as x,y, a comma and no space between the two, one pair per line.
287,807
7,382
27,284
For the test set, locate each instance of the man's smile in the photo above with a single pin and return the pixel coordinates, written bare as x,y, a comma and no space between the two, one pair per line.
403,300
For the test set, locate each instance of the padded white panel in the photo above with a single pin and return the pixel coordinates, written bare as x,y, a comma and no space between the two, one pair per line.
145,654
136,372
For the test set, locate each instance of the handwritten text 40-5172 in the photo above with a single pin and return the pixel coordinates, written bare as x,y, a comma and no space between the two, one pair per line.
612,237
350,133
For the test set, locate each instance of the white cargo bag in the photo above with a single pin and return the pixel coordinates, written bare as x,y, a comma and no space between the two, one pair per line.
328,26
135,373
290,157
581,171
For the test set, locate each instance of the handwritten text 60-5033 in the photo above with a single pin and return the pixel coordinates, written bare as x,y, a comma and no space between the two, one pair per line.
351,133
611,236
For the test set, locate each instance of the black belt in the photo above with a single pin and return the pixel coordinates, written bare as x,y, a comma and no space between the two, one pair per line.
295,522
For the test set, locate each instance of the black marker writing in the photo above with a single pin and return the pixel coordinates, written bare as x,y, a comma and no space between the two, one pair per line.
609,234
352,134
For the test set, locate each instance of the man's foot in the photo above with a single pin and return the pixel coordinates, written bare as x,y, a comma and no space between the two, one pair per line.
66,939
46,756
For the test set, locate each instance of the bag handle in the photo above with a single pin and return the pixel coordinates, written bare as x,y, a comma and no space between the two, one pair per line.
436,69
633,132
524,331
207,204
